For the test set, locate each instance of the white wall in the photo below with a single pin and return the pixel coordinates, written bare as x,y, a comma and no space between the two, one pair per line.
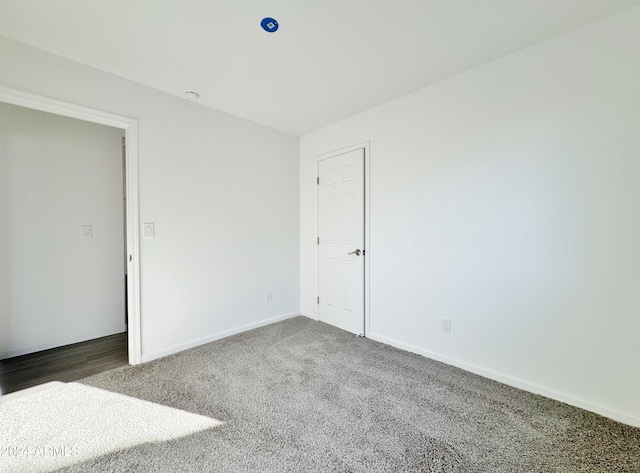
4,237
507,199
222,192
60,174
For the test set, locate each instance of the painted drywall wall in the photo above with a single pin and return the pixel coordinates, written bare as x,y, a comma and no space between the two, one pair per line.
61,174
4,236
222,192
507,199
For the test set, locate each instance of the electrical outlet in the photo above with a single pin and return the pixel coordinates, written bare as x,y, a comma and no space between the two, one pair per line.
267,296
445,324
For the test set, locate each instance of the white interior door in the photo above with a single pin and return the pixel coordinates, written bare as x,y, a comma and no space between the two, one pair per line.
341,241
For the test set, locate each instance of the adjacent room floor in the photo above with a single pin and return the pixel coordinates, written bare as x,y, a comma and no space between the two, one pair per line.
67,363
304,396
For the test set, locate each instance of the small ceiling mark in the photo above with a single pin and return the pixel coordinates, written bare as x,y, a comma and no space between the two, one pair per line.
270,25
191,94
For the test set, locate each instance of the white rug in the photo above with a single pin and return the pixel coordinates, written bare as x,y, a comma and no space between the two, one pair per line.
71,423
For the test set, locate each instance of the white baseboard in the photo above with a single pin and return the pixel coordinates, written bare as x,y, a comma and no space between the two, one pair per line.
66,340
311,316
216,336
629,418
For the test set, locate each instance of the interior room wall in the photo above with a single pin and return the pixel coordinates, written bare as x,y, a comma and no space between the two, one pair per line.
507,199
61,174
4,238
222,192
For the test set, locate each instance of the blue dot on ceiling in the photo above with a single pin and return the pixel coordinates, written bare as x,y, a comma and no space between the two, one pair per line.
270,25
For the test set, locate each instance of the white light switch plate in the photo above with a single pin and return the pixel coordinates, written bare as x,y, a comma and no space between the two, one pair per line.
87,231
148,230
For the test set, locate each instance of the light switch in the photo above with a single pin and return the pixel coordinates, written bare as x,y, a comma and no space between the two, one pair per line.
87,231
148,230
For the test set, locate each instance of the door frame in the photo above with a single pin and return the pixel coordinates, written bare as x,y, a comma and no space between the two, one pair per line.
130,127
366,146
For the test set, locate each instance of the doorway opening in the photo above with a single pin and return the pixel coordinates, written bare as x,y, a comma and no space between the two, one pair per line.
129,128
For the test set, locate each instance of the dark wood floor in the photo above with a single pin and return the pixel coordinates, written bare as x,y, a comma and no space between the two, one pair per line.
66,364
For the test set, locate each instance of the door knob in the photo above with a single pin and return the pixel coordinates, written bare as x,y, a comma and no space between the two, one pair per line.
355,252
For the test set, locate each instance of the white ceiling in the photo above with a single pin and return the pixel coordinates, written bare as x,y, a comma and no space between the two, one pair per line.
330,58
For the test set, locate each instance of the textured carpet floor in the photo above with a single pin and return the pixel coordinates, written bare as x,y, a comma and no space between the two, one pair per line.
68,423
301,396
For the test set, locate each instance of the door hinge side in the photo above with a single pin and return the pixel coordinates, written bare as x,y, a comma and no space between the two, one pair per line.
318,180
318,301
318,240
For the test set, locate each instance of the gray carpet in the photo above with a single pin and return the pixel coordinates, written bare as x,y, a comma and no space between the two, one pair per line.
84,423
301,396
